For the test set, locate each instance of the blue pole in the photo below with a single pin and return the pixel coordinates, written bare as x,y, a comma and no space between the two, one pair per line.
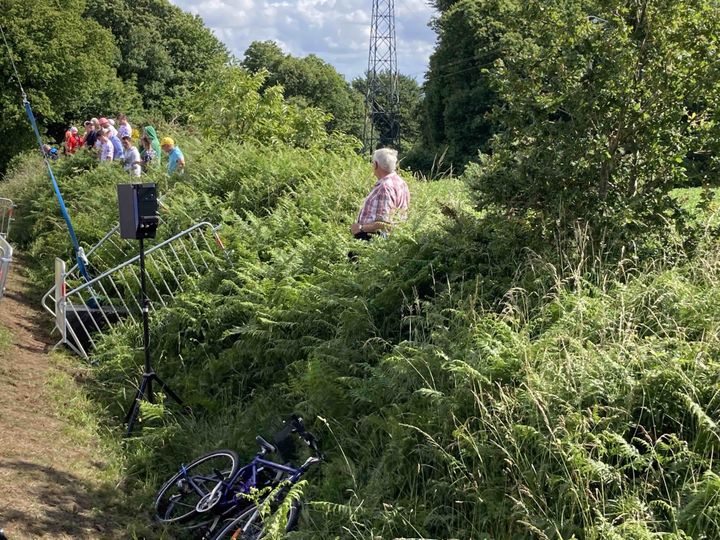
79,254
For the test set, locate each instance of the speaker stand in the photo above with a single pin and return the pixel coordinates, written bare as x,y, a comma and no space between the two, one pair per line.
145,390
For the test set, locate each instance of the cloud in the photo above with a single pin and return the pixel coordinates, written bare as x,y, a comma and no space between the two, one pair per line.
338,31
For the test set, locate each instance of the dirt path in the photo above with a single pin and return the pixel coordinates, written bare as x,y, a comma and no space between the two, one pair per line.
52,477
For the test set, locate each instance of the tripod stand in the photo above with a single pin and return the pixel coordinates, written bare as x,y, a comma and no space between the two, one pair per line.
145,390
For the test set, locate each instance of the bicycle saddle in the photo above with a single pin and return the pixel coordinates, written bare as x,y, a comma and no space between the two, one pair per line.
269,448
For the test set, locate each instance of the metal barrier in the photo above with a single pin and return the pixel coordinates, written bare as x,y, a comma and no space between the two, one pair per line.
6,216
6,252
85,310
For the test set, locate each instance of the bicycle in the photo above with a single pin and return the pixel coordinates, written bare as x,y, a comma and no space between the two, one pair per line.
216,497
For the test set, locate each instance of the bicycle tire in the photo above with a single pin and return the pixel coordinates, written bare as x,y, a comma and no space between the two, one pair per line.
179,507
293,516
232,530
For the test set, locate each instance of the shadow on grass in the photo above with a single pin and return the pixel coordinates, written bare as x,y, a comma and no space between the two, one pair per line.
68,506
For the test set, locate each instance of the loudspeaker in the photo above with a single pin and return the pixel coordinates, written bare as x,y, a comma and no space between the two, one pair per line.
138,208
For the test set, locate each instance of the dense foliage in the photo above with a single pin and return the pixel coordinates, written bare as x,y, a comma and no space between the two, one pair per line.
458,94
308,81
65,63
83,58
515,372
612,99
463,387
601,119
235,104
163,50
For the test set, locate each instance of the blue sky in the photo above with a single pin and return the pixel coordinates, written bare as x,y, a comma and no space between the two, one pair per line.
335,30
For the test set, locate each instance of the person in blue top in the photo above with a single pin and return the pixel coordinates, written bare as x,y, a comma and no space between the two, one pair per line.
176,160
118,152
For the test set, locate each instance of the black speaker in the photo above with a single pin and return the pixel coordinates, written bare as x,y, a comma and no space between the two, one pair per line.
138,207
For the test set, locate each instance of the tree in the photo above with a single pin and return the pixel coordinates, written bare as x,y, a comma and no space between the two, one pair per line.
458,94
163,50
308,81
265,55
65,65
233,103
605,107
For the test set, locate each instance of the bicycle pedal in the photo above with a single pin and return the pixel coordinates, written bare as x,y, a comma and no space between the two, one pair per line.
183,485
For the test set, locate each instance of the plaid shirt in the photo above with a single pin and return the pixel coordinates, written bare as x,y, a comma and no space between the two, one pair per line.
389,198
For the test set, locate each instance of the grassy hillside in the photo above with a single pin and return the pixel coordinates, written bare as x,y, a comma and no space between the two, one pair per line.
468,379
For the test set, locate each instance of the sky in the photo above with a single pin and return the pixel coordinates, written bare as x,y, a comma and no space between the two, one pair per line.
338,31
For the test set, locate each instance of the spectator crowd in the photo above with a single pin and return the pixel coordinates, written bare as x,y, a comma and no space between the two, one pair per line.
114,140
385,206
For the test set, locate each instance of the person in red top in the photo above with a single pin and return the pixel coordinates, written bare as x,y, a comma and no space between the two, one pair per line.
389,200
72,140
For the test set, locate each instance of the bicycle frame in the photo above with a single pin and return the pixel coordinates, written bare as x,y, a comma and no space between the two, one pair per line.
243,481
246,519
257,460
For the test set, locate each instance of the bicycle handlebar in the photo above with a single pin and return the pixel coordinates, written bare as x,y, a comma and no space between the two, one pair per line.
311,461
294,424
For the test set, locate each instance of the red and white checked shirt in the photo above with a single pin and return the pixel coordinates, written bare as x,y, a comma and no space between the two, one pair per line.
388,201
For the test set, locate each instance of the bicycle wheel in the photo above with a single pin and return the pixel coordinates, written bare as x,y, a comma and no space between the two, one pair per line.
293,516
249,525
177,499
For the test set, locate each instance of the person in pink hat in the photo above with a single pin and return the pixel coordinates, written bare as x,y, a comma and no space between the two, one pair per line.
105,124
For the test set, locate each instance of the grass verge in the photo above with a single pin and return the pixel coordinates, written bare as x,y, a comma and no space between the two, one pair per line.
117,497
5,339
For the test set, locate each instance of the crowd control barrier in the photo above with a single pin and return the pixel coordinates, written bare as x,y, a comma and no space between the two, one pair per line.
85,310
6,253
6,216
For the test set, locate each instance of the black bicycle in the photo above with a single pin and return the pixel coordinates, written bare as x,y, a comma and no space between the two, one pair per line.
221,500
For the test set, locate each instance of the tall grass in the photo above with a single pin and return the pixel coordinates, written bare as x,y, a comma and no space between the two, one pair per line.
468,379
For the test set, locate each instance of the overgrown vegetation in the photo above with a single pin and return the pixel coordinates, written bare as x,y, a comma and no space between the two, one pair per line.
308,81
529,356
163,50
624,89
66,66
463,386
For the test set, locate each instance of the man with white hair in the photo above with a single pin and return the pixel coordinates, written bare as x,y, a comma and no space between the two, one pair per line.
388,201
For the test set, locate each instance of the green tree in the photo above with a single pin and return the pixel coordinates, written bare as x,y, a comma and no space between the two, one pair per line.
265,55
605,107
163,50
458,94
308,81
233,103
65,65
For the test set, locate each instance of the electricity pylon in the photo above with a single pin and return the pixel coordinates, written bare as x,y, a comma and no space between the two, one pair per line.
382,123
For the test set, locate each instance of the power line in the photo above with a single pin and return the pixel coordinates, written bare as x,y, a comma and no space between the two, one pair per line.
12,62
453,73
